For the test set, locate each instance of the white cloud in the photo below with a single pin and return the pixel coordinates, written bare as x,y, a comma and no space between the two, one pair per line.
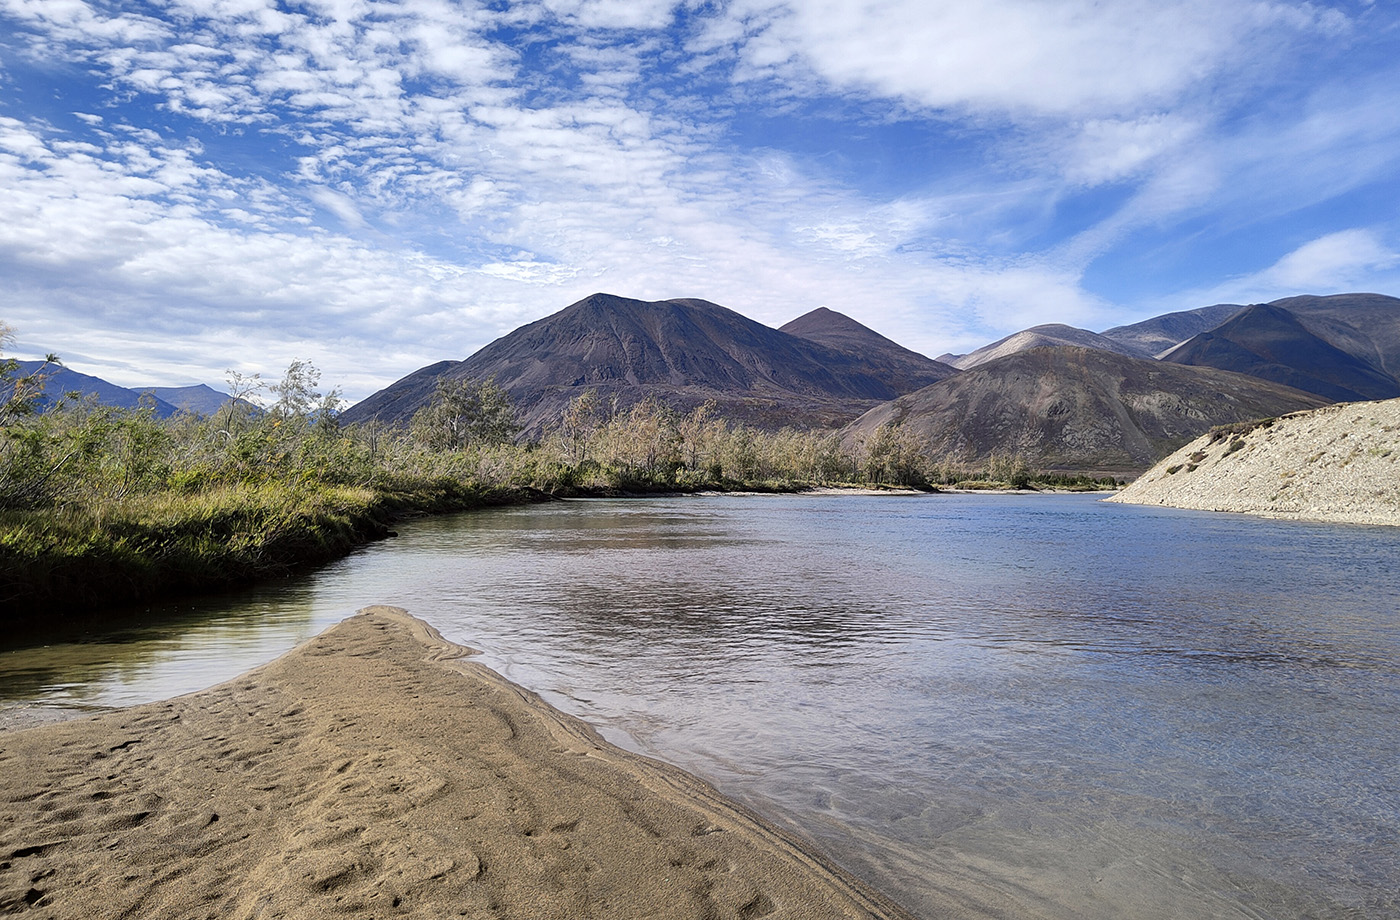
1357,259
615,14
342,206
1022,57
1111,150
1329,263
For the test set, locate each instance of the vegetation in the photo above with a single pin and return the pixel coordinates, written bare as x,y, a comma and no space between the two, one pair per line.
1239,429
101,505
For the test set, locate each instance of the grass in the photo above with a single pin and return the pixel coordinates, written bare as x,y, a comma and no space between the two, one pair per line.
87,557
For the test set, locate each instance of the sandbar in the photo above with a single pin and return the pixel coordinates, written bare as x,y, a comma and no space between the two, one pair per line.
375,772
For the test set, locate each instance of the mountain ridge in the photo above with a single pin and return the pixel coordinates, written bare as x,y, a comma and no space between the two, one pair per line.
683,351
1273,342
1078,408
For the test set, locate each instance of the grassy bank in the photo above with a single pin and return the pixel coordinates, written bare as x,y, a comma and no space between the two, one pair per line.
82,557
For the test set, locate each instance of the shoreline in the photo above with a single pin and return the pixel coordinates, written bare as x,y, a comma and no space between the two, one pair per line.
81,586
372,771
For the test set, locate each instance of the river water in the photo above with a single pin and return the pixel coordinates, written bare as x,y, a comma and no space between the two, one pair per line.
986,705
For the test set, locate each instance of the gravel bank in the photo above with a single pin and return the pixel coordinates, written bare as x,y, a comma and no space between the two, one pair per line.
1340,464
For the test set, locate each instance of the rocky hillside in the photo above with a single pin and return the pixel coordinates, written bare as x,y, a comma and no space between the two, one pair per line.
681,352
1339,463
1079,408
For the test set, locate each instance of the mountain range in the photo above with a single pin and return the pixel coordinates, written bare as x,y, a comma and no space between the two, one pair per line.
820,371
164,401
1062,396
1079,409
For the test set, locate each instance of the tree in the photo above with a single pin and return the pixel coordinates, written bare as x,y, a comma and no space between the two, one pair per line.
894,455
581,420
243,390
19,393
296,393
464,413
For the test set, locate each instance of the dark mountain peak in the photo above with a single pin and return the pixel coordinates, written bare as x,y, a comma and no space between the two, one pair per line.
905,370
60,380
826,322
199,399
1272,342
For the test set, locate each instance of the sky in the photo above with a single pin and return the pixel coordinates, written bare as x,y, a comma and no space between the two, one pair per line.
189,187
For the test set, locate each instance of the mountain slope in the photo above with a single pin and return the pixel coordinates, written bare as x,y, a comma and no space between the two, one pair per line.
1271,342
1153,336
1339,463
61,380
1079,408
1048,335
682,352
904,370
1366,326
200,399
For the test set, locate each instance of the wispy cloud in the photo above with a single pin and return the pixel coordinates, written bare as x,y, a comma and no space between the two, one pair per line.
1328,264
376,185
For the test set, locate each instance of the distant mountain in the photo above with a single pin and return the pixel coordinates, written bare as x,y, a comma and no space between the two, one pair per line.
904,370
1272,342
1048,335
682,352
1153,336
199,400
1079,408
61,380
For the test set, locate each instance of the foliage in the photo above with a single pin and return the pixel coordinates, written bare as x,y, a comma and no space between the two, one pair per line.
464,413
1239,429
19,393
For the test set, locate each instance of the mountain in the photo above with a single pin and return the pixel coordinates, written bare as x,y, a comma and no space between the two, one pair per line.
199,400
1366,326
1153,336
1340,463
682,352
60,380
1275,343
1079,408
1048,335
904,370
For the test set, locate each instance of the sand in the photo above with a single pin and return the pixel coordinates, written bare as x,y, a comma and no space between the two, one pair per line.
1338,464
372,772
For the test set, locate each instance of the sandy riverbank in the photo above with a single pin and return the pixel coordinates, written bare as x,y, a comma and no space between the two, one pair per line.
1339,464
374,773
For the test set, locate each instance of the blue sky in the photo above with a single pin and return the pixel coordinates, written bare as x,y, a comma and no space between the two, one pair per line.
188,186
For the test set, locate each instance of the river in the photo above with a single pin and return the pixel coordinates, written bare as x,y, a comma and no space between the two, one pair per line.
1029,706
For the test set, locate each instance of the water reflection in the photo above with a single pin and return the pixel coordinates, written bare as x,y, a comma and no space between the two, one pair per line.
156,653
1027,706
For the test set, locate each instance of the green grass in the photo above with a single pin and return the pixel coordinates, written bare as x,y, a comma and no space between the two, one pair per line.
79,558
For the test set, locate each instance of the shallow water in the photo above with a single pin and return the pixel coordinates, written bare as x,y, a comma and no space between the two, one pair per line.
1021,706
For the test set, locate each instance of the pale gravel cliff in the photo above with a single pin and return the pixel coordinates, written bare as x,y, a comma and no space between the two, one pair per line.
1340,463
